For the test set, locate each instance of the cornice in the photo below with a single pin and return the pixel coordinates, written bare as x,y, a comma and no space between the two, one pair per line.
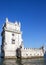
18,32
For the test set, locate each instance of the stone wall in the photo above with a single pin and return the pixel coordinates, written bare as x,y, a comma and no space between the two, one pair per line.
30,52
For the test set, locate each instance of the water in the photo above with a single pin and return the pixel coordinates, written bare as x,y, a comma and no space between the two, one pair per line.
23,61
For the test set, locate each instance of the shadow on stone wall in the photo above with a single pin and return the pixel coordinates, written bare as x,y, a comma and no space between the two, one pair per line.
3,54
45,55
18,52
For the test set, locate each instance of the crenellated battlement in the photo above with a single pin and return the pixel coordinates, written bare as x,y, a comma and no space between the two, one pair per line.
32,48
16,23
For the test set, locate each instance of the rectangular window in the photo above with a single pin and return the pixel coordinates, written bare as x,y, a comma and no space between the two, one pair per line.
13,41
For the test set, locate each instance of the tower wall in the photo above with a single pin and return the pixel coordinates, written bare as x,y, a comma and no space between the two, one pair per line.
13,38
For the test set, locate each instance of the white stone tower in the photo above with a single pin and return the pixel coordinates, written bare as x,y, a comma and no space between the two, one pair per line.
11,38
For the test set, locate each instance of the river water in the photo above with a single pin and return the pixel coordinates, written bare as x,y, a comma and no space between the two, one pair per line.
40,61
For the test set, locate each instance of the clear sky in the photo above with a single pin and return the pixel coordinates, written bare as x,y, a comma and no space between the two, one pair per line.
31,14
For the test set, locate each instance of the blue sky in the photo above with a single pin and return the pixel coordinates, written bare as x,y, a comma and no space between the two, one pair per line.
31,14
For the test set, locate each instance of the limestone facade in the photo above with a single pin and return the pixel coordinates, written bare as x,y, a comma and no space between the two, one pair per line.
12,39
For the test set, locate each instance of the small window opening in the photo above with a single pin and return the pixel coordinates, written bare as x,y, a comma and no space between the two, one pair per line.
13,41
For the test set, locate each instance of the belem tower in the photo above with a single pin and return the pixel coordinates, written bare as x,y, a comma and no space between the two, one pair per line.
12,43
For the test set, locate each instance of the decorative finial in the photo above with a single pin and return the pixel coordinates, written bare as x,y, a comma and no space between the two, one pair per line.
19,24
16,23
6,19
